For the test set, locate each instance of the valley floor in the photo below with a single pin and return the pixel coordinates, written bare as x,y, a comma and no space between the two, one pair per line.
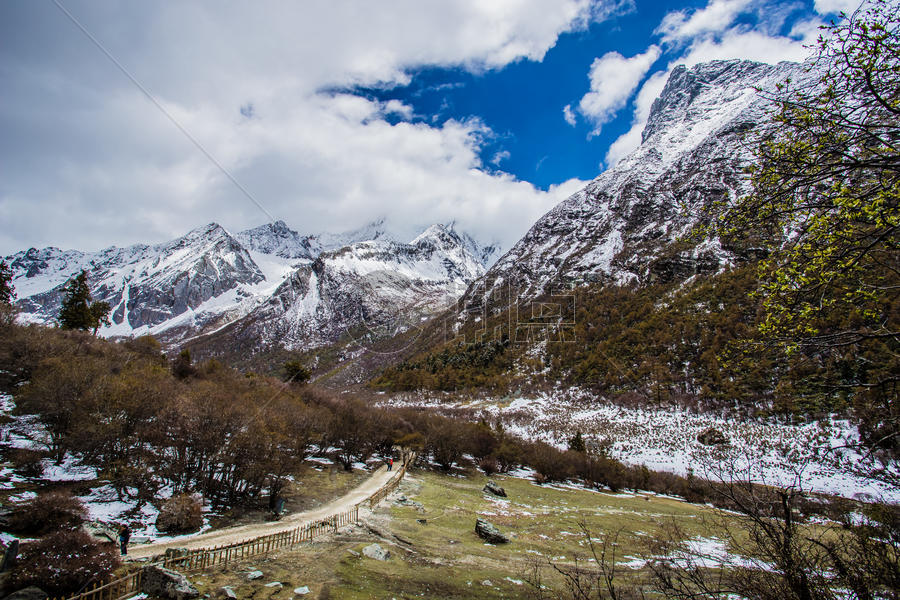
427,526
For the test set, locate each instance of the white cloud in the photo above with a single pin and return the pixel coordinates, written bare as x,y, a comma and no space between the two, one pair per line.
749,45
88,161
613,79
824,7
569,115
716,16
500,157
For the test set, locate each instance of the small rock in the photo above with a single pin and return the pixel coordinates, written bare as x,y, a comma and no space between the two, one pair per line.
489,532
354,553
274,584
29,593
487,582
254,575
224,593
492,488
167,584
713,437
301,591
377,552
422,521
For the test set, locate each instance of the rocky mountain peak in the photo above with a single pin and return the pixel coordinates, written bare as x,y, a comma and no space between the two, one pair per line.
277,239
621,226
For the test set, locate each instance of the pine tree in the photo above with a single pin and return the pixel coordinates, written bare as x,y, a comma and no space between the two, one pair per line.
182,366
75,312
7,293
576,444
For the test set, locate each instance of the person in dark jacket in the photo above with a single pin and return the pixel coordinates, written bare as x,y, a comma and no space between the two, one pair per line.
124,536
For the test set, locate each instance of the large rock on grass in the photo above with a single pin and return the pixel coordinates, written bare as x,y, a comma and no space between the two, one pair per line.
489,532
167,584
491,487
377,552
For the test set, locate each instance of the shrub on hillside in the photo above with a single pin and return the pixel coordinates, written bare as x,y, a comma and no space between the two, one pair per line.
601,471
489,465
27,462
550,463
63,563
180,514
50,511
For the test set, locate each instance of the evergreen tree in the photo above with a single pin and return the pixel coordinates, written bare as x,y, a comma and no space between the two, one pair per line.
296,372
182,366
576,444
7,293
75,312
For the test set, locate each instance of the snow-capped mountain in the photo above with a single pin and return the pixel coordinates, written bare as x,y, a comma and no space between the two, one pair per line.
209,278
146,286
367,289
622,225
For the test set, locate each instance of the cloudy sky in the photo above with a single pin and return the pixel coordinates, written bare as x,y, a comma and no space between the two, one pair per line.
125,122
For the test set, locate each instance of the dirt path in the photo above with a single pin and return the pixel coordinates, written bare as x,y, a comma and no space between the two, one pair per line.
232,535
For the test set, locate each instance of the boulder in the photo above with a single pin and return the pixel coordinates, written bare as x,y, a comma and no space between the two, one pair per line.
274,584
101,532
404,501
29,593
712,437
492,488
302,590
167,584
253,575
377,552
224,593
489,532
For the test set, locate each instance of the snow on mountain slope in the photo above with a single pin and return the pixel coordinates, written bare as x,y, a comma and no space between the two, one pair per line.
621,226
325,242
205,280
365,290
146,286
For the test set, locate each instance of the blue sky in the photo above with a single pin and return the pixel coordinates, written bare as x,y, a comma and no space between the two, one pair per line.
333,113
523,103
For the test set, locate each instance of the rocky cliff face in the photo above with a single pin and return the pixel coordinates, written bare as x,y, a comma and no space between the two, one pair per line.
364,291
624,225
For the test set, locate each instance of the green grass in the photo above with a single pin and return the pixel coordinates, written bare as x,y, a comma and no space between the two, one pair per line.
446,559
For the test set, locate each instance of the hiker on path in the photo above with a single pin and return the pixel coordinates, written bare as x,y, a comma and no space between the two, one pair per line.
124,536
391,463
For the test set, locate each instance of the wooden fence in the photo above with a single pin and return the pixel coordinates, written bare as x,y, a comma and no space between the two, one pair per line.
196,560
391,485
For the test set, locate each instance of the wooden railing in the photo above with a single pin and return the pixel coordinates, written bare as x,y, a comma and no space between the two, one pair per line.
197,560
129,584
391,485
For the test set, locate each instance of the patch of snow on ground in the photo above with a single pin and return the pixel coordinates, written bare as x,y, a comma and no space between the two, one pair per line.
67,470
813,455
